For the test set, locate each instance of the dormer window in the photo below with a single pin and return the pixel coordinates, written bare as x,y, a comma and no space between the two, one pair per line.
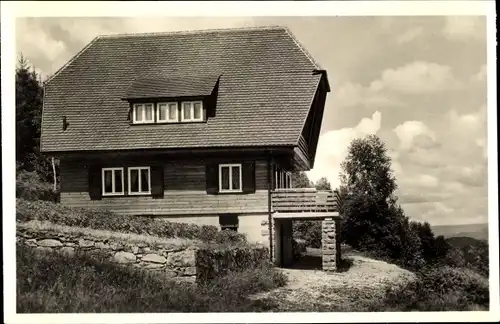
143,113
168,112
192,111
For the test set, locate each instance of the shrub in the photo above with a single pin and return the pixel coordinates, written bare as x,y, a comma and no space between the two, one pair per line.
440,289
54,283
30,186
307,230
214,261
106,220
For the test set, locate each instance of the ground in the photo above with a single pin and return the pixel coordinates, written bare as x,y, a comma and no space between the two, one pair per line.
310,289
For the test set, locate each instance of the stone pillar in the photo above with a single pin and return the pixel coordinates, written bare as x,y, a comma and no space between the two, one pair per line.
269,239
329,244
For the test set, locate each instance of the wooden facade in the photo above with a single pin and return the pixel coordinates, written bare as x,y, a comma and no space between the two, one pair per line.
184,184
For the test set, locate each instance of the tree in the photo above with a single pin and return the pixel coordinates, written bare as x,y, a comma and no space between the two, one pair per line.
29,96
29,105
372,220
323,184
300,180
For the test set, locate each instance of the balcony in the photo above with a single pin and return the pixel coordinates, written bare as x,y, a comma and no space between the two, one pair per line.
303,200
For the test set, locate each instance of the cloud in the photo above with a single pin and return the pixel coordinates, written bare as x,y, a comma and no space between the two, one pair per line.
410,35
415,78
333,145
463,28
480,76
414,132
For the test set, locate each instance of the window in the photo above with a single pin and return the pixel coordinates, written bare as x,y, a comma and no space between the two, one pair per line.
229,222
192,111
143,113
230,179
139,181
112,181
282,179
167,112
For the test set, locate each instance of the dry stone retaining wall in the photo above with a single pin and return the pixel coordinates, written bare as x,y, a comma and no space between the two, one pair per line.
176,261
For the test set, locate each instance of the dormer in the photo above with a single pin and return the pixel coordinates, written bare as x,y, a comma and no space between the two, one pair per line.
172,100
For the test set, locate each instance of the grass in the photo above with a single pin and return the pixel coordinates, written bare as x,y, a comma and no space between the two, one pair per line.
53,283
127,238
438,289
100,219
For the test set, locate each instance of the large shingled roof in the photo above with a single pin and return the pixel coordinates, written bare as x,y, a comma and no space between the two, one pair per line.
266,87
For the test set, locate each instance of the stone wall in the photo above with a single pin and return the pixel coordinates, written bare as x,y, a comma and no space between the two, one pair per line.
178,262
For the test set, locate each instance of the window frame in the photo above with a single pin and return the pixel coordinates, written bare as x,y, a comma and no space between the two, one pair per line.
139,181
113,184
231,166
192,119
143,105
167,120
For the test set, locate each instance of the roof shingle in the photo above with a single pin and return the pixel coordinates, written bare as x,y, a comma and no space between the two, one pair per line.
265,91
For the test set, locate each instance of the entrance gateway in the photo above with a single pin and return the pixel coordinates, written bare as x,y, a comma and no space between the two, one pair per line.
303,204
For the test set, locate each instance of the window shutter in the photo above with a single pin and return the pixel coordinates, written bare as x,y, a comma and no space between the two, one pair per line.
248,169
212,179
157,186
95,182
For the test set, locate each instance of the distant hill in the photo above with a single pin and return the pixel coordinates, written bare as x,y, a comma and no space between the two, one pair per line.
477,231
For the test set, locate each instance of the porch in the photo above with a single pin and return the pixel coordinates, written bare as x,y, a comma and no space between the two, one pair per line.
290,204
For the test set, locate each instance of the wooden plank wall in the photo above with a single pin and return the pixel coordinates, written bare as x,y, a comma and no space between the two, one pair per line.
184,192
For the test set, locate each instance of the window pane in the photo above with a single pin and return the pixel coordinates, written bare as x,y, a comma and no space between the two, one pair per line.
197,111
162,112
145,180
118,181
134,183
138,113
108,182
236,178
149,112
172,112
186,110
225,178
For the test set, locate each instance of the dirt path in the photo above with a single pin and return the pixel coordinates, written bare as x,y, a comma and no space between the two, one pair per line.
314,290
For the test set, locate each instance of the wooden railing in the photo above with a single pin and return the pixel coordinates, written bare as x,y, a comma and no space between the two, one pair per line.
303,200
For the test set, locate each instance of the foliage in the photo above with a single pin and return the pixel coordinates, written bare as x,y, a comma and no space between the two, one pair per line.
323,184
309,231
216,261
439,289
30,186
106,220
300,180
29,105
372,220
469,253
54,283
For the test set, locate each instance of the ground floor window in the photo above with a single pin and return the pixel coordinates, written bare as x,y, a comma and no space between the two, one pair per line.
139,180
230,178
112,181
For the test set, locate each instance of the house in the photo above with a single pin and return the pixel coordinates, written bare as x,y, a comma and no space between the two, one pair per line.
198,127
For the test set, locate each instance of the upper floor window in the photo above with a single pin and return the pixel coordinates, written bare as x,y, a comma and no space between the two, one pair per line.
192,111
230,179
167,112
143,113
112,181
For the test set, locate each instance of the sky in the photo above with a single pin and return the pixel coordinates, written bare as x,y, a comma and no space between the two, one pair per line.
419,83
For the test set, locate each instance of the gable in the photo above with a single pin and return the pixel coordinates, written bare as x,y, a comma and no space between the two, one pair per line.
266,86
